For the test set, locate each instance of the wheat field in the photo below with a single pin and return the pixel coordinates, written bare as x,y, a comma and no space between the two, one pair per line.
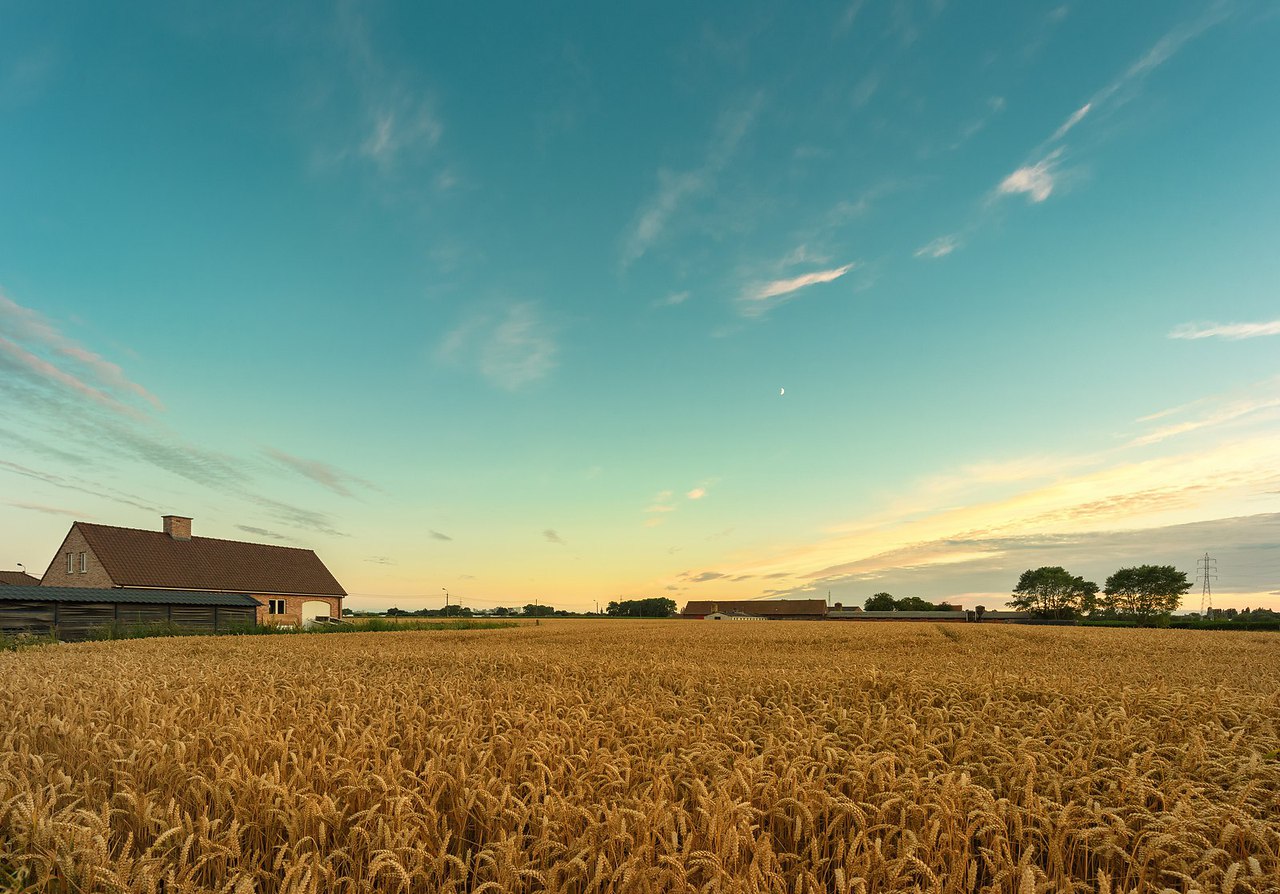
646,757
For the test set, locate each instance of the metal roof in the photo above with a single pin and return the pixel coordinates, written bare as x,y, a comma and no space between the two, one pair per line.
150,597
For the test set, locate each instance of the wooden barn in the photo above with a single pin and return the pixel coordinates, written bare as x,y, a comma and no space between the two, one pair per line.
75,613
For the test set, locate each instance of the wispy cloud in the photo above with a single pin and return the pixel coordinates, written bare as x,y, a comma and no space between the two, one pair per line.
675,188
1072,121
512,349
25,335
551,536
380,560
673,299
1232,331
436,535
261,532
1036,180
940,247
697,493
322,473
759,299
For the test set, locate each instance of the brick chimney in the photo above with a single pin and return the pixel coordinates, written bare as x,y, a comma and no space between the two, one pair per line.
178,527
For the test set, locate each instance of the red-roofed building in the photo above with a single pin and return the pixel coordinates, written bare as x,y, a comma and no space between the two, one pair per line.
292,584
771,609
18,579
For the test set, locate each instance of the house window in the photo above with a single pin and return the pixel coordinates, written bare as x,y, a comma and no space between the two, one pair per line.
71,563
84,563
275,606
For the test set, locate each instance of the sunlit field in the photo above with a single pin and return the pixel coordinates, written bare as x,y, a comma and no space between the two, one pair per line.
581,756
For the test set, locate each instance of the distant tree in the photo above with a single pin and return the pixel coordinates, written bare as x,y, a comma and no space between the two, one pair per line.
538,611
347,613
502,611
1147,592
980,610
880,602
394,612
1053,592
653,607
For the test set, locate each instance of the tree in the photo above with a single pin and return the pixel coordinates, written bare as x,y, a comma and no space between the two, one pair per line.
539,611
1146,592
654,607
1053,592
881,602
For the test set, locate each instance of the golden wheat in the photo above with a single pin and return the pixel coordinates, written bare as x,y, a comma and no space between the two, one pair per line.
646,757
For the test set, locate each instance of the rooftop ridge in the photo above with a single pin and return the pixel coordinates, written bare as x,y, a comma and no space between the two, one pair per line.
194,537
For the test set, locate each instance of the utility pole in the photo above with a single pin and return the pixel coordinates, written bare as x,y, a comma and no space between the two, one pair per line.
1207,568
446,600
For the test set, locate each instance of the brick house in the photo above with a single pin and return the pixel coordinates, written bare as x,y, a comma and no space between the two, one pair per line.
291,584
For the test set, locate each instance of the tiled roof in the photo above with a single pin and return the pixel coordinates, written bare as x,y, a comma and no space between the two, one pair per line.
761,607
18,579
136,558
151,597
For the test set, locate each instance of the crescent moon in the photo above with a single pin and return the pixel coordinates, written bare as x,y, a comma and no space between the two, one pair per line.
781,391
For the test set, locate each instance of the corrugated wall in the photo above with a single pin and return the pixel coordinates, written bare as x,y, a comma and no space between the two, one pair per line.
78,620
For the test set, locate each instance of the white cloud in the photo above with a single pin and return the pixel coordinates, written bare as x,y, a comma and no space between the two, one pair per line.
759,299
1036,180
675,187
939,248
511,350
1233,331
1071,122
697,493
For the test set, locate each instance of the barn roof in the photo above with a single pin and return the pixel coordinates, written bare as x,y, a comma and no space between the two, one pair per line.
18,579
790,607
137,558
117,594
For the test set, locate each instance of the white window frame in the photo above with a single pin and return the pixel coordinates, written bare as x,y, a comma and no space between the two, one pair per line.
71,563
276,606
84,562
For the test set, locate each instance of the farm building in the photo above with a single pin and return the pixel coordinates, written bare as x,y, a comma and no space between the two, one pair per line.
860,615
769,609
74,613
733,616
289,586
18,579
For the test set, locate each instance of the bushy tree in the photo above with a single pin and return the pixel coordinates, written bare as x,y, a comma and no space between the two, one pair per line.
1053,592
1146,592
653,607
880,602
538,611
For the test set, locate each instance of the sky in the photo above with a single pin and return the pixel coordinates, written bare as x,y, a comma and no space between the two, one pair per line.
580,302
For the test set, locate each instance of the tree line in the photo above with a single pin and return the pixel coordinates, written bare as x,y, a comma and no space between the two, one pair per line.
1145,594
887,602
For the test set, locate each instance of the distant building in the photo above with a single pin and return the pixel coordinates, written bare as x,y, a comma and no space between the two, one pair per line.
18,579
857,615
767,609
290,586
733,616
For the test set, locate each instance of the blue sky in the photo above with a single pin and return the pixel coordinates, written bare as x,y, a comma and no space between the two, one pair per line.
505,299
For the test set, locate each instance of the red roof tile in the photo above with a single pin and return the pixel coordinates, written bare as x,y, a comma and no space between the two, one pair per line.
18,579
136,558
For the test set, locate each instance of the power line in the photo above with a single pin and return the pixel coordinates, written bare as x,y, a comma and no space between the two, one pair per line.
1207,570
